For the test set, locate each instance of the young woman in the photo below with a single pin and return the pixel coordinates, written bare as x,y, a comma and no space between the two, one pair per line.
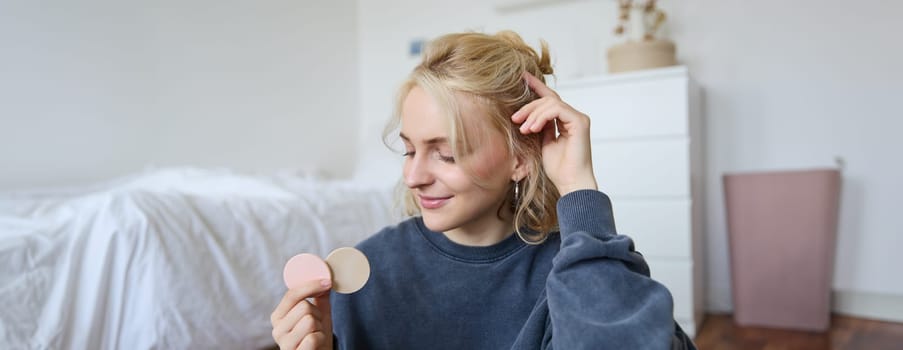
513,248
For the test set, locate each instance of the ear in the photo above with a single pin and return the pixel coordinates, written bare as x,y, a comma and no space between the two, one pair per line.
521,168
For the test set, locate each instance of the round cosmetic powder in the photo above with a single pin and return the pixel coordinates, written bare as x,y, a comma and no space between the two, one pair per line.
350,270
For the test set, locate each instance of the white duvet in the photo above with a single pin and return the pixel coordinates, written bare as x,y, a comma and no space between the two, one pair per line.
170,259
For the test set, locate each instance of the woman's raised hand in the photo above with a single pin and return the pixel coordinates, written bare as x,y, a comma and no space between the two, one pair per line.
302,324
566,156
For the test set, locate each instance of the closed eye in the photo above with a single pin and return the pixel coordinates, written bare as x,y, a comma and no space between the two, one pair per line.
447,159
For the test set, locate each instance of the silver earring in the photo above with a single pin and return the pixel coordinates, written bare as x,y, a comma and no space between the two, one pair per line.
516,194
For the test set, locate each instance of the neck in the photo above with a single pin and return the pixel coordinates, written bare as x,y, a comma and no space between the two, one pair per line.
485,233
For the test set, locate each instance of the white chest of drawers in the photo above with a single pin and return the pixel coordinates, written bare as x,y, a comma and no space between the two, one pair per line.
646,131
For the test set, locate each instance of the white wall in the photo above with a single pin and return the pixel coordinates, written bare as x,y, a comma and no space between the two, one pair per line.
794,84
96,89
787,85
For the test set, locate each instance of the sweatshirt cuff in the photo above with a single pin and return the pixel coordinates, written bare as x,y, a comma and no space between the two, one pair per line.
588,211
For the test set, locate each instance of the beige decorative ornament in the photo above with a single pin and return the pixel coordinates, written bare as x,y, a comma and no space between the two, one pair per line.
638,55
648,52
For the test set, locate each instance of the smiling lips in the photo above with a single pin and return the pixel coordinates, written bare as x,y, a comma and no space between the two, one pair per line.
427,202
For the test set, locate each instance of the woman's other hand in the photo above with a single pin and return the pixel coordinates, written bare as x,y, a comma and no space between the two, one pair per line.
566,156
299,323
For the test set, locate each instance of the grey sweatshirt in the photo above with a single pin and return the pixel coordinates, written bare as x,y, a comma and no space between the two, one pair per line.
584,288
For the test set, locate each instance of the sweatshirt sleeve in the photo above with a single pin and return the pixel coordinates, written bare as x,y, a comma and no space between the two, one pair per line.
599,292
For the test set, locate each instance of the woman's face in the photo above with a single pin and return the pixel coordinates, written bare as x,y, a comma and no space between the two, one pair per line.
445,190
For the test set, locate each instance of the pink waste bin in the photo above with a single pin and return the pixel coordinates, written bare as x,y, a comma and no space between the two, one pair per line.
782,228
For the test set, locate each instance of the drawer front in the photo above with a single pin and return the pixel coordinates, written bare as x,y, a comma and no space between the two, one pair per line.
633,109
677,276
647,168
659,227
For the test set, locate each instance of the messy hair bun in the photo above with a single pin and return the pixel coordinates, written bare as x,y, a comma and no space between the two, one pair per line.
543,61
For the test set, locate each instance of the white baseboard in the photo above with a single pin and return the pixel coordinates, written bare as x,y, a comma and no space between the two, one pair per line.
884,307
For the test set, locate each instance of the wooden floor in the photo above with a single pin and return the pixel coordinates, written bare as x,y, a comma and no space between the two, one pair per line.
719,332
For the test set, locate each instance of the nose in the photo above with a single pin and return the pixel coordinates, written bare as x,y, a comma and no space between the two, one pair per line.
417,172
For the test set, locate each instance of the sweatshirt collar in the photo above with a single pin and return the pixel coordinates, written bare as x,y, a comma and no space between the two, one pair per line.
470,254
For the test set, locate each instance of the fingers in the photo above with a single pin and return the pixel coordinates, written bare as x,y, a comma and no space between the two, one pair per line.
535,115
548,135
314,341
524,112
306,326
540,116
527,115
295,336
303,320
538,86
308,332
294,317
293,296
290,340
565,133
323,306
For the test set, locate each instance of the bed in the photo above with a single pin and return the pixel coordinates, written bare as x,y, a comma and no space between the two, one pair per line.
169,258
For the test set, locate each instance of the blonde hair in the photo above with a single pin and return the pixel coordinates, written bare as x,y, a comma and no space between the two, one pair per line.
488,69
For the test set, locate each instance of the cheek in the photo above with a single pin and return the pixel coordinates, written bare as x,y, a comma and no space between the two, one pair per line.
483,170
457,180
490,165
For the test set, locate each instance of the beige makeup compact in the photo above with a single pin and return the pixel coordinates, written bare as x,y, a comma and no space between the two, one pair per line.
347,267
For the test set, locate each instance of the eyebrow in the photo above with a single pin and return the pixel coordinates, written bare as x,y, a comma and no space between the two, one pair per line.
432,141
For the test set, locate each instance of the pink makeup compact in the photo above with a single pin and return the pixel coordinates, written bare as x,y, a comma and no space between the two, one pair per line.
304,267
347,267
